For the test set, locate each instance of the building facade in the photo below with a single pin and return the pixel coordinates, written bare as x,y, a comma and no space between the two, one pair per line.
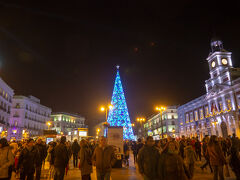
216,112
28,117
67,123
6,95
167,124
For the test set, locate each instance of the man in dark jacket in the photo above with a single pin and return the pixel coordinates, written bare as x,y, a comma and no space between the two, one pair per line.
61,159
104,158
75,150
42,152
148,160
28,160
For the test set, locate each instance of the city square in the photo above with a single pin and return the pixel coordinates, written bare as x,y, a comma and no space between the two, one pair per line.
120,90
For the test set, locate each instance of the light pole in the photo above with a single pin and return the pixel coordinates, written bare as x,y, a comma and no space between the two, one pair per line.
141,120
105,108
161,109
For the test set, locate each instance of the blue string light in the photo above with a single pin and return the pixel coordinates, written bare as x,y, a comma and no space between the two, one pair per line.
118,115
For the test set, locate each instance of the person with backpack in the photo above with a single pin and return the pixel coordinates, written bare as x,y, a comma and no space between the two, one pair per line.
85,164
6,160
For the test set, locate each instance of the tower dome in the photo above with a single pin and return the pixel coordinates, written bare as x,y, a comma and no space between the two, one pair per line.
216,44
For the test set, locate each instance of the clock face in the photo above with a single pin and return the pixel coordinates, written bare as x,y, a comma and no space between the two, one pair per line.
224,61
213,64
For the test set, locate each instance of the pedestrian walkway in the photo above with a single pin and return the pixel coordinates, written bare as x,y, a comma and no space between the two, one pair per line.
129,173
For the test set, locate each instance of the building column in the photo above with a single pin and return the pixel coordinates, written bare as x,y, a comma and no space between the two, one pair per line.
224,102
233,101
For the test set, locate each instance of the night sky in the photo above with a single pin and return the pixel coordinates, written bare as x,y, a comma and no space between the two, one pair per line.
66,53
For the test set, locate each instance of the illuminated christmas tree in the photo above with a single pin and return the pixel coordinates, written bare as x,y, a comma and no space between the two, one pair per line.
118,115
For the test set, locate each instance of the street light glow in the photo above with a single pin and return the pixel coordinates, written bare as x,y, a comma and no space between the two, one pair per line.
102,108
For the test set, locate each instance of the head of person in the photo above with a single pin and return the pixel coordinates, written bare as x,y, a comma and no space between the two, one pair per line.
150,141
103,141
30,142
75,140
63,140
139,140
39,141
3,143
82,143
213,140
171,147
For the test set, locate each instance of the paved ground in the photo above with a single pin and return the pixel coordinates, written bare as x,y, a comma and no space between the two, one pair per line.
130,173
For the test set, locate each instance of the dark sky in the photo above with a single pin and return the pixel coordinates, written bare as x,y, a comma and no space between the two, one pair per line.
66,53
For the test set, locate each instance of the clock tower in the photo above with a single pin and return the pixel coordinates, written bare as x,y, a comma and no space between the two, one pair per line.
220,63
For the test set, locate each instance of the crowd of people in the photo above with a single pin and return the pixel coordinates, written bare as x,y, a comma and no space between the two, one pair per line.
170,159
26,158
166,159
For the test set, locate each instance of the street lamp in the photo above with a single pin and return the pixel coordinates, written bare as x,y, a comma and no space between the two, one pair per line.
98,131
161,109
141,120
133,124
103,108
49,124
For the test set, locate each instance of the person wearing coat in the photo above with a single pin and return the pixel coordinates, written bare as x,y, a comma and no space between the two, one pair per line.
104,158
170,165
216,156
28,160
148,159
85,164
61,158
75,151
6,159
189,159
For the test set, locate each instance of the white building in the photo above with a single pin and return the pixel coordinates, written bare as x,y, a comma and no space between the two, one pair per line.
216,112
66,123
167,124
28,117
6,94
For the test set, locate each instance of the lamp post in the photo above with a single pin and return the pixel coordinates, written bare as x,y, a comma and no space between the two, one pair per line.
161,109
49,124
141,120
105,108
